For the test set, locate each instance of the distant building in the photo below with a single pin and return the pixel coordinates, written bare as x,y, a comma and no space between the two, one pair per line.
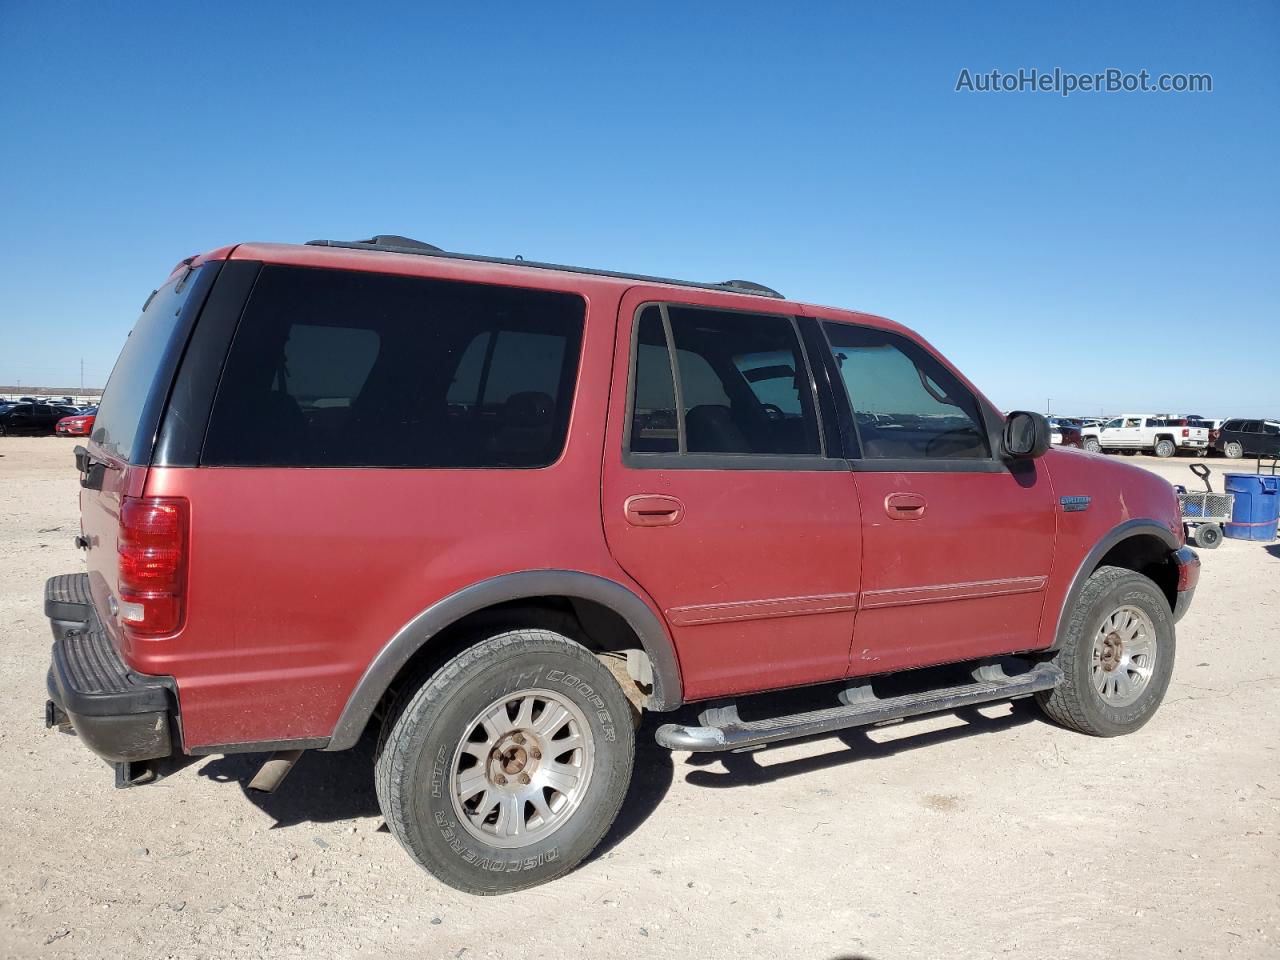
10,392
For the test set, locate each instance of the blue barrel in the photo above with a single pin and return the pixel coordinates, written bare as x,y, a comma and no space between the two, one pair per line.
1257,507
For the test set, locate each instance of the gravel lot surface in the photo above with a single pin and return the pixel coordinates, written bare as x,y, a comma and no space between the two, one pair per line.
986,834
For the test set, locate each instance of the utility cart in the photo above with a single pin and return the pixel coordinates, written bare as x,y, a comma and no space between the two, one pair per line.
1204,512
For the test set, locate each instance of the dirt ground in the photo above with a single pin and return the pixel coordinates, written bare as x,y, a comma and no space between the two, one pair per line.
988,834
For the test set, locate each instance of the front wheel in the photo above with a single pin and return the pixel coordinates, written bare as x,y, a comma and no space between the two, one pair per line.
1116,657
1234,449
507,767
1165,449
1093,445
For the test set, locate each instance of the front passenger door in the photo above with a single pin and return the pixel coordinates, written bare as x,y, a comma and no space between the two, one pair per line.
1110,432
957,543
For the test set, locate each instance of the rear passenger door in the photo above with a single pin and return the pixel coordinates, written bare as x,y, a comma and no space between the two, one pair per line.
1251,437
957,544
46,417
1270,440
722,496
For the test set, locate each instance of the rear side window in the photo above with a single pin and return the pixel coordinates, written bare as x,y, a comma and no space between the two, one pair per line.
906,405
139,383
347,369
653,395
742,385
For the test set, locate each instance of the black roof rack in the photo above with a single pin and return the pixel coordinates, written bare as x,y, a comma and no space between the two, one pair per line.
391,243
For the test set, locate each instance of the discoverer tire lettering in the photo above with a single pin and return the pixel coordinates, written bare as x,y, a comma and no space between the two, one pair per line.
424,733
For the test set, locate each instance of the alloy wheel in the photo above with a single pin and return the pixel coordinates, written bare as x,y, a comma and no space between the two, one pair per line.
1124,656
522,768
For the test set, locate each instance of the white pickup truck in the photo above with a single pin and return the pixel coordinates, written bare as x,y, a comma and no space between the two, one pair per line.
1143,431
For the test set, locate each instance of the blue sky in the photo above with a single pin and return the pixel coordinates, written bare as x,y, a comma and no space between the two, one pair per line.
1111,251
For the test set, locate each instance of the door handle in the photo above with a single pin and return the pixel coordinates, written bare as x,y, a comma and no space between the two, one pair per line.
905,506
652,510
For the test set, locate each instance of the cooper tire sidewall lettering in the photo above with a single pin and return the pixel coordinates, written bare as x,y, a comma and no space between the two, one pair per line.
442,711
1162,619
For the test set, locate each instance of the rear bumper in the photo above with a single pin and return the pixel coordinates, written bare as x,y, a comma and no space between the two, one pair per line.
121,715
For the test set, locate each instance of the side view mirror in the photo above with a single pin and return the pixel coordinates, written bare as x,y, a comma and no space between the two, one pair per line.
1026,435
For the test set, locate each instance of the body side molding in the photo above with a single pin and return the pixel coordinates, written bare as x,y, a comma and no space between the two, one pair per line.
668,690
698,614
1130,528
935,593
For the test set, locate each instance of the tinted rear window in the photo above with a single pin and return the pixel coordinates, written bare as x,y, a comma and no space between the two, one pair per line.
347,369
139,383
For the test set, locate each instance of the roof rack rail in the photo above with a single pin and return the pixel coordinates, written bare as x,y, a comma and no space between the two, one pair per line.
392,243
382,240
750,286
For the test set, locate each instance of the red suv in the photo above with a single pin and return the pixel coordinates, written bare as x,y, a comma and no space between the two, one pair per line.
491,511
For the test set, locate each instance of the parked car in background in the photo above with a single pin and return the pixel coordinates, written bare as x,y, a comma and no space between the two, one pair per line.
1249,438
1214,426
1135,432
29,418
77,425
1065,432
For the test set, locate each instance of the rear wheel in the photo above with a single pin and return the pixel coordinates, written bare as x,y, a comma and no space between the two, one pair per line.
1233,449
506,768
1116,657
1165,448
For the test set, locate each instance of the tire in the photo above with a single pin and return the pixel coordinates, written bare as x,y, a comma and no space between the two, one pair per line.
1208,536
1165,448
1079,702
1233,449
432,772
1093,444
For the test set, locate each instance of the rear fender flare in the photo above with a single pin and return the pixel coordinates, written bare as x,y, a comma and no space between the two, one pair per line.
668,691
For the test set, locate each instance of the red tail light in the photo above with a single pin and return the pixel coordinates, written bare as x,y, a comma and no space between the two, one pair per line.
153,564
1186,432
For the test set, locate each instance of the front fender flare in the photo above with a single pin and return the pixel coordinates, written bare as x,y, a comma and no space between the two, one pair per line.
668,690
1130,528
